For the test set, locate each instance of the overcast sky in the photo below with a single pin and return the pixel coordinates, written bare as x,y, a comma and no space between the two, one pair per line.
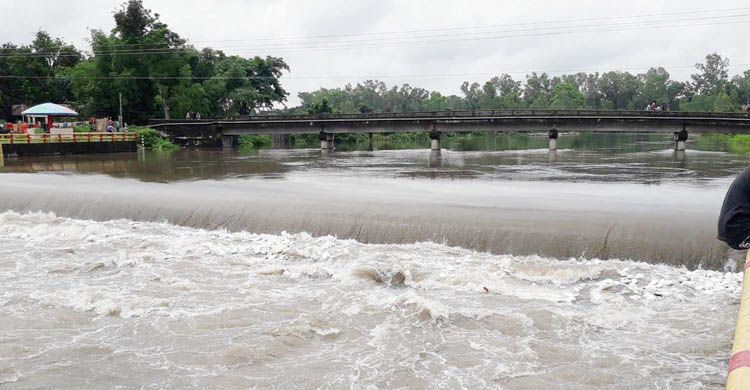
469,40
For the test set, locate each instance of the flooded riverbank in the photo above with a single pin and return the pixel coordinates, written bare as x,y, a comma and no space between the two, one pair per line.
493,265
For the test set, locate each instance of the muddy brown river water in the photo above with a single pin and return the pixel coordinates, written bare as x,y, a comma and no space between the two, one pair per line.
488,266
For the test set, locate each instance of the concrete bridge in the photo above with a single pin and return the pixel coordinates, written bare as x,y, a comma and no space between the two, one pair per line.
438,122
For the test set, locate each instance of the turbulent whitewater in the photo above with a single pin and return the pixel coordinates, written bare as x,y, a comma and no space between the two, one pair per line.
131,304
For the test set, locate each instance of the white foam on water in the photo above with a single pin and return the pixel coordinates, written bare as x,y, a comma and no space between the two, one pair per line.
123,303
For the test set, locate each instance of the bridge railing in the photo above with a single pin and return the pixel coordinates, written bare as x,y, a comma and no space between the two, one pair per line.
472,113
12,139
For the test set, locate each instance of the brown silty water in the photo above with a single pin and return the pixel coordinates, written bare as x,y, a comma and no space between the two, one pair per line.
515,269
643,202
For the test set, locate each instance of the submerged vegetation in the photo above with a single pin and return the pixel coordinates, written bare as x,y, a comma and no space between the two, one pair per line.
732,143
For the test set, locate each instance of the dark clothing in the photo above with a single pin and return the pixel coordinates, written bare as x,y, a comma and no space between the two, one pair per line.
734,220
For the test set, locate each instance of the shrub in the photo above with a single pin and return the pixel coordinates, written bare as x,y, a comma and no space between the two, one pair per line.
739,143
82,129
254,141
152,139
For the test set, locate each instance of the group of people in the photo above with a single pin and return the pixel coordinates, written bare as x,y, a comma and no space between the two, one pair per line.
656,107
110,125
193,115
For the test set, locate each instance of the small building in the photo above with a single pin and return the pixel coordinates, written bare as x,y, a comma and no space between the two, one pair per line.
44,113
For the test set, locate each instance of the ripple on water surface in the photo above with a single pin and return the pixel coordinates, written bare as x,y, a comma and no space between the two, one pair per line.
122,303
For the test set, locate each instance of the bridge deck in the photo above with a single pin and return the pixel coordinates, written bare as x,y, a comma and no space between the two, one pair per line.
462,121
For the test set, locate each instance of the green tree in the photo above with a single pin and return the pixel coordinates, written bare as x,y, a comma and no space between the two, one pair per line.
566,96
321,107
537,92
712,76
656,85
32,72
158,74
618,90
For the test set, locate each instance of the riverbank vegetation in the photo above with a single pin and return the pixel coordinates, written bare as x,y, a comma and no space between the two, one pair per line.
732,143
151,139
709,89
157,72
254,141
160,75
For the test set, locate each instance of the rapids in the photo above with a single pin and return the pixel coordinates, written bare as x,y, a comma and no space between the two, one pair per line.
120,303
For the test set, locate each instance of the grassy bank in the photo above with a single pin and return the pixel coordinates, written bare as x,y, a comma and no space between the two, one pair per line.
732,143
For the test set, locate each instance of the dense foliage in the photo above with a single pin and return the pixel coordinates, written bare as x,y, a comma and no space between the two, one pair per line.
710,89
151,139
255,141
157,72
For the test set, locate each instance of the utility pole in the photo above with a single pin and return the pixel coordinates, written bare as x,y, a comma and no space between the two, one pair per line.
164,102
120,118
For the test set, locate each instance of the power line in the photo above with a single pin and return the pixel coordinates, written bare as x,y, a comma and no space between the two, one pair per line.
411,43
410,40
371,76
637,24
463,27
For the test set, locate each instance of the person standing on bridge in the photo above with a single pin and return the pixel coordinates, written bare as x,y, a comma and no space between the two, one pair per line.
734,219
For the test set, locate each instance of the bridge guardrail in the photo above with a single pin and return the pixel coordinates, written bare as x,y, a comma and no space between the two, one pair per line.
16,139
475,113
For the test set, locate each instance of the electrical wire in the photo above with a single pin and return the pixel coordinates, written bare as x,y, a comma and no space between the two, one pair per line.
342,45
639,16
362,77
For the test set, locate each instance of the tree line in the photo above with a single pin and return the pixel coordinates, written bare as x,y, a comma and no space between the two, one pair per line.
155,73
709,89
158,74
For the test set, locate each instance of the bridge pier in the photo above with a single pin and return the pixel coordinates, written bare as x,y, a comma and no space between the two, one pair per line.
230,142
553,134
436,159
323,137
680,140
327,141
435,140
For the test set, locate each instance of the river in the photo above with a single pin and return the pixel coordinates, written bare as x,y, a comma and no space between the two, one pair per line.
496,264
